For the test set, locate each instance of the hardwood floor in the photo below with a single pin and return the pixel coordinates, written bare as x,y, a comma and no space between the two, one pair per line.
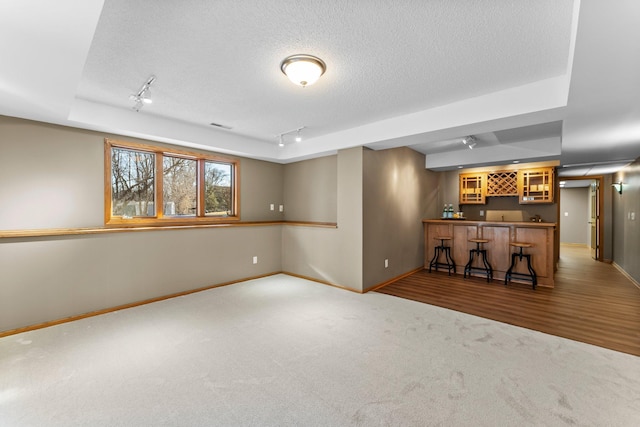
592,302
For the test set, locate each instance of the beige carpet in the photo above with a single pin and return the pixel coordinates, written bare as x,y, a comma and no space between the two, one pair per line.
281,351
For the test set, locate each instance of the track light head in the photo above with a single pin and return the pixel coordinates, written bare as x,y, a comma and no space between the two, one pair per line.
146,96
469,141
143,96
297,138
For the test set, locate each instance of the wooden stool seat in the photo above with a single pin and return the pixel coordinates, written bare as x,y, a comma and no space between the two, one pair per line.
521,244
510,274
469,268
446,250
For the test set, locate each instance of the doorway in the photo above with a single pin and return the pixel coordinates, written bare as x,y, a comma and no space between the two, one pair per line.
582,212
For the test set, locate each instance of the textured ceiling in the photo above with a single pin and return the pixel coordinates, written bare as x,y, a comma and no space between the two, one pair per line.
531,80
219,61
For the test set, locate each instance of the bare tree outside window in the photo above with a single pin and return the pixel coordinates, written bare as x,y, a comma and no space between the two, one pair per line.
179,188
148,185
217,189
132,183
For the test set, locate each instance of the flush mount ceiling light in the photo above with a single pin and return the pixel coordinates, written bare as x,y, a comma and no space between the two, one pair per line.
143,96
303,70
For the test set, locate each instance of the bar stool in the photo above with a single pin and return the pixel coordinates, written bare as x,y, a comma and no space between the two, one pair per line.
478,251
510,274
446,250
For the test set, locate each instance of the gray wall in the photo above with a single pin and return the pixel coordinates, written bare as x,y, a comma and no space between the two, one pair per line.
328,254
448,191
52,177
398,193
381,198
626,231
574,226
609,236
311,190
51,278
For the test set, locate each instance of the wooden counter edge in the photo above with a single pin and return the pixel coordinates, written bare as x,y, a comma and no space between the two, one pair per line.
491,223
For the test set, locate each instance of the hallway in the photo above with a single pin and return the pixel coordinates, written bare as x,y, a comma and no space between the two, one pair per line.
592,302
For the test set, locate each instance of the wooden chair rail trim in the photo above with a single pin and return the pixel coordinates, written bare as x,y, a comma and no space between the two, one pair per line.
52,232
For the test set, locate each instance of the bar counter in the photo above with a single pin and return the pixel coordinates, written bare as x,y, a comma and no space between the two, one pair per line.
500,234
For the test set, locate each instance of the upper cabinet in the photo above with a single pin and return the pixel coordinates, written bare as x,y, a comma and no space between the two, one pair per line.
503,183
473,188
535,185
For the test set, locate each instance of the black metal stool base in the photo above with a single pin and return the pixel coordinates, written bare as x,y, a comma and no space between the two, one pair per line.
532,277
450,265
486,270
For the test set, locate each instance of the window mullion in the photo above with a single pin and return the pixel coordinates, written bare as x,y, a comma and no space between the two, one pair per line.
200,188
159,175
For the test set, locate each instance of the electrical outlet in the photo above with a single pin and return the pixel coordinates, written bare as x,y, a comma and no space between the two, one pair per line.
281,208
386,263
272,207
481,213
255,259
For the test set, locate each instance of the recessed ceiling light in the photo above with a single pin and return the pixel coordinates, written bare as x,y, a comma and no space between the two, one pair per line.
516,161
459,167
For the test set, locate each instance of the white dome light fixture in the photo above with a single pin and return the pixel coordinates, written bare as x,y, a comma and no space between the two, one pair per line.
303,70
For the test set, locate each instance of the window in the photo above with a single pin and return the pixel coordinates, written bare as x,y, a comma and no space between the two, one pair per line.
217,189
147,185
179,186
132,183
